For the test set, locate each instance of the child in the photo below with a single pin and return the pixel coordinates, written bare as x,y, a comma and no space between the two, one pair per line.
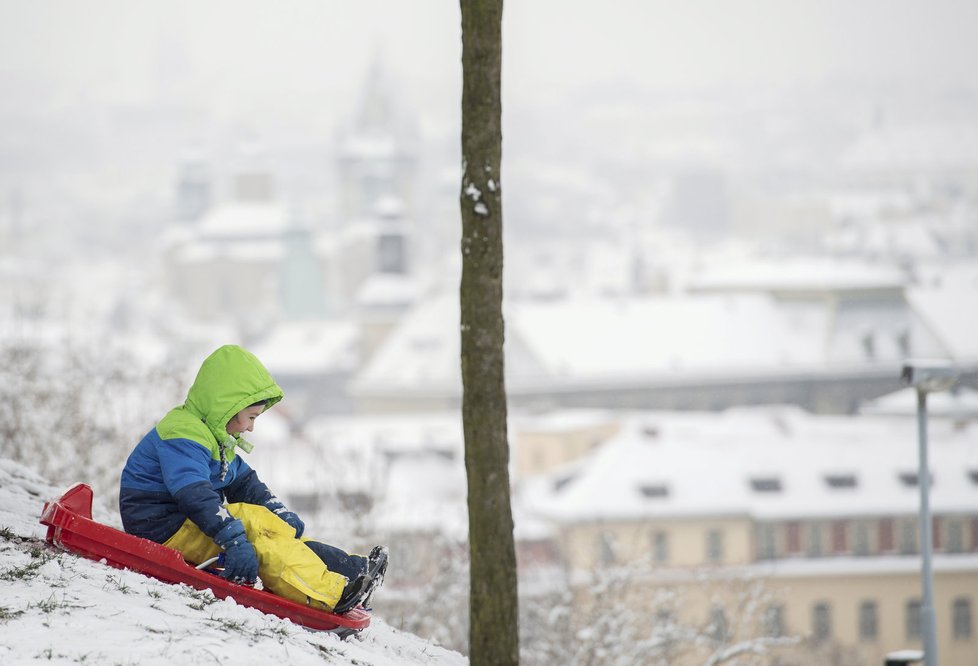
184,486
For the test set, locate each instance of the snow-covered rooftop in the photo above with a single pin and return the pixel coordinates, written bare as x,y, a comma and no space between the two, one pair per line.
592,340
949,310
245,220
768,463
387,290
960,403
309,347
822,274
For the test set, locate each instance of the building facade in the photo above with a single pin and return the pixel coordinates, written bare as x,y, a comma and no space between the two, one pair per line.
819,512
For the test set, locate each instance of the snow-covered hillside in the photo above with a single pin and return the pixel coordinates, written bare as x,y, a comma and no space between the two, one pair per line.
62,609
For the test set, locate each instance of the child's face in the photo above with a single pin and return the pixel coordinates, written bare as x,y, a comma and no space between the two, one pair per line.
244,420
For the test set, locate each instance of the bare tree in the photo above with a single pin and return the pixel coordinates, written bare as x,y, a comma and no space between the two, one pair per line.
493,606
73,411
621,615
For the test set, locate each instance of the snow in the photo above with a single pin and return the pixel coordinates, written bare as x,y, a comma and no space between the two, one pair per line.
308,347
799,450
799,274
633,338
387,290
365,146
941,308
239,220
64,609
958,403
629,337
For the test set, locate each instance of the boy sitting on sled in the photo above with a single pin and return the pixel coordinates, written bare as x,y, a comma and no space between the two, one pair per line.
184,486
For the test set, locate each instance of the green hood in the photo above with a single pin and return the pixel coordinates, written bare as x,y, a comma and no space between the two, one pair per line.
229,380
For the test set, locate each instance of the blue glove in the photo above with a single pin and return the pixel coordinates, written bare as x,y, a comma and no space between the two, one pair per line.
240,558
292,520
275,506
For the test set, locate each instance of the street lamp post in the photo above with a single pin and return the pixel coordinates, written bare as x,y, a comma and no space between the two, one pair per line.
927,376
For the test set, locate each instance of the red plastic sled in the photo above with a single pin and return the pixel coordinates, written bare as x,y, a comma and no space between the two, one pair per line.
70,526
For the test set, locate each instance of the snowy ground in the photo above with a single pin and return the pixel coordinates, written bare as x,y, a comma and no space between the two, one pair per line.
62,609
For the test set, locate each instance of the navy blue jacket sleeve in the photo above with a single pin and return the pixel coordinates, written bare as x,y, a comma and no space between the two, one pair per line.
248,488
201,503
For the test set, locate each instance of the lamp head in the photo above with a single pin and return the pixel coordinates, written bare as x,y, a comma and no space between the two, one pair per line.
929,375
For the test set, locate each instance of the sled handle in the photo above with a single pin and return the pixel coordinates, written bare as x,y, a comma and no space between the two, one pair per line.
204,565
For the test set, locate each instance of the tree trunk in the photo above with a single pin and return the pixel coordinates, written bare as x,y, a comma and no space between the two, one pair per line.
493,606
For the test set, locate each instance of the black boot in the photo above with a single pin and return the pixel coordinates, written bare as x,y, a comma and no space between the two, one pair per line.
358,591
353,594
376,568
377,562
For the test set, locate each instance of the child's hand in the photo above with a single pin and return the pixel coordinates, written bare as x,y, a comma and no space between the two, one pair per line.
241,563
240,559
294,521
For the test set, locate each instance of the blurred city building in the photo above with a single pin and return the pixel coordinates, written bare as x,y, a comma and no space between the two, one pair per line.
821,333
821,510
312,296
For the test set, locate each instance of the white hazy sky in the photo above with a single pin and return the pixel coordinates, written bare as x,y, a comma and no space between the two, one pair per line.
96,96
248,49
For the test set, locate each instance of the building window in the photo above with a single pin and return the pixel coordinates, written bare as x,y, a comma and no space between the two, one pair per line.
767,543
886,535
821,622
391,254
773,620
840,537
911,479
654,490
793,538
868,621
660,547
913,620
841,481
860,538
815,540
908,537
766,484
961,618
714,546
955,536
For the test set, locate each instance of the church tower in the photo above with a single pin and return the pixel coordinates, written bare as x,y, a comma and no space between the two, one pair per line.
377,150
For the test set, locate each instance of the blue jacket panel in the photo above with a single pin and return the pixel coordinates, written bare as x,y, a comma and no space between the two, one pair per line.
166,481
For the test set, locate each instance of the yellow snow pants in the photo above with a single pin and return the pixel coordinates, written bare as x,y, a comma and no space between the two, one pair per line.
286,565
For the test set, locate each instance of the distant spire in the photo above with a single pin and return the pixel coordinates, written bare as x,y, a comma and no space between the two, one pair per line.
376,112
377,147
